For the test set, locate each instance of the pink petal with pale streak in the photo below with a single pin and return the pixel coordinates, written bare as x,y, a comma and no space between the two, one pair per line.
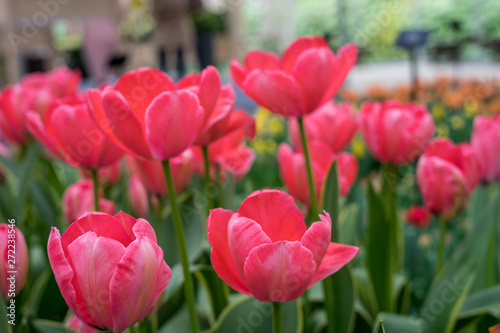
63,272
35,126
346,59
279,272
289,57
143,228
317,238
335,258
243,235
141,87
314,71
238,72
94,260
220,255
141,276
209,89
94,100
277,214
173,122
274,90
101,224
125,125
261,60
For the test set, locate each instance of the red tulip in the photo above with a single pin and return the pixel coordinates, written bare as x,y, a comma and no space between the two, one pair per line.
138,196
14,259
110,269
64,81
108,175
418,216
447,174
306,76
229,154
152,175
395,132
485,142
334,125
266,251
70,133
294,175
79,199
147,115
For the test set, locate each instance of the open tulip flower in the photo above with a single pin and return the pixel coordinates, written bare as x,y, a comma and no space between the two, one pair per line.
395,132
307,75
146,115
69,131
14,258
333,124
446,175
266,251
110,269
293,169
485,142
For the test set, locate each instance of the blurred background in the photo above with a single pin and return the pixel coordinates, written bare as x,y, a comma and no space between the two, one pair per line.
104,38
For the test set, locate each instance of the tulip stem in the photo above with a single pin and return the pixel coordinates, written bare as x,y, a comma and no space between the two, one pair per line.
181,243
208,183
276,317
440,251
95,180
310,179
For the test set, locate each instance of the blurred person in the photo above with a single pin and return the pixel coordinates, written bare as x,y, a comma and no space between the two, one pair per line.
174,32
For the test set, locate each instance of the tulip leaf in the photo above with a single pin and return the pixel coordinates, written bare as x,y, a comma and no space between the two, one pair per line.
216,290
343,290
480,303
366,292
380,328
248,314
330,199
32,304
398,323
47,326
451,286
348,224
4,325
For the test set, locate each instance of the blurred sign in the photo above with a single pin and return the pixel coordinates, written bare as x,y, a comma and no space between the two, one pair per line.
412,39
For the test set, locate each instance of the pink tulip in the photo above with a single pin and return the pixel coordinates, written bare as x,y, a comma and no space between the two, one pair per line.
70,133
395,132
306,76
334,125
266,251
228,154
64,81
138,196
108,175
418,216
494,329
485,142
147,116
110,269
75,324
152,175
79,199
447,174
294,174
14,259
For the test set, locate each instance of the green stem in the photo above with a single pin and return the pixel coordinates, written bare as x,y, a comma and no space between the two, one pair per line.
440,251
95,180
310,179
158,216
181,243
208,183
276,317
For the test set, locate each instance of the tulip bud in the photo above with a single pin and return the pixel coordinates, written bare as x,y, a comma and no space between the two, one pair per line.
418,216
485,142
79,198
14,268
138,196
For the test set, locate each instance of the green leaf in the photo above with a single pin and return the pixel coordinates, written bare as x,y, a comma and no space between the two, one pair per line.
366,292
348,224
482,302
379,251
4,324
330,200
216,290
451,286
32,304
343,294
47,326
380,328
394,323
248,314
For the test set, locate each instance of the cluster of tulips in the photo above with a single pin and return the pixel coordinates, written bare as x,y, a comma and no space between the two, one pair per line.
109,266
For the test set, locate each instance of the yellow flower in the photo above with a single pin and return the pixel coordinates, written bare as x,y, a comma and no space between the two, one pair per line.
262,116
276,126
438,111
457,122
470,108
358,146
443,130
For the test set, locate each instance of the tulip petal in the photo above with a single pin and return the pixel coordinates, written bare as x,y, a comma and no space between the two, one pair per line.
244,234
35,126
173,121
143,228
209,89
63,272
240,119
261,60
126,126
279,272
238,72
221,254
290,55
317,238
140,278
94,260
274,90
277,214
335,258
237,161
